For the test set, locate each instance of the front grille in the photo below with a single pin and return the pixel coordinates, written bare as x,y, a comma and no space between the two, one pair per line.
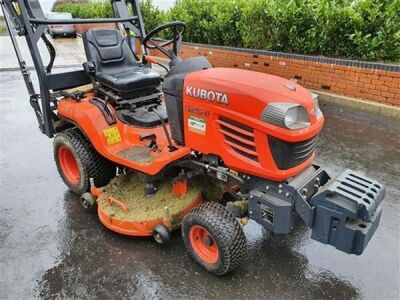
239,137
288,155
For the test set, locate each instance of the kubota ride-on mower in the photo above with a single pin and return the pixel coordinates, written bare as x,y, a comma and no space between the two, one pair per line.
182,142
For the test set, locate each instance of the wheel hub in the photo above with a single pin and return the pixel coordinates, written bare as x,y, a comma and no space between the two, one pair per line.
158,238
203,244
208,240
68,165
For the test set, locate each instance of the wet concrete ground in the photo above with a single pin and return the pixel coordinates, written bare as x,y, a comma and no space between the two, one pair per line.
51,248
69,52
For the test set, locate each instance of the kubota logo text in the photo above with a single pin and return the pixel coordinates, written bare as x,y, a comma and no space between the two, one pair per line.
211,96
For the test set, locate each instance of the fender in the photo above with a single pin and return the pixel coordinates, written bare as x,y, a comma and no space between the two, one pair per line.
120,142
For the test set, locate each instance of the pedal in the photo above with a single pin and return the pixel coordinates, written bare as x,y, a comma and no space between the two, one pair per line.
152,144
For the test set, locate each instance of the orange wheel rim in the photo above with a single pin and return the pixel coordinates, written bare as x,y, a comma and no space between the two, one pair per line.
68,165
203,244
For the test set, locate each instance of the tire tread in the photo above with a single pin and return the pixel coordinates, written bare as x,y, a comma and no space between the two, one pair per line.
94,165
226,229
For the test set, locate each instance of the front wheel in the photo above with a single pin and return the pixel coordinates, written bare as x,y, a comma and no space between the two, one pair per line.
214,238
77,161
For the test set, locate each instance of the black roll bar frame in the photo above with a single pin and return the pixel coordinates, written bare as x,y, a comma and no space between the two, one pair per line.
26,18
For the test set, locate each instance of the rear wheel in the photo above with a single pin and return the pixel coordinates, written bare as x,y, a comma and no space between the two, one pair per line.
77,161
214,238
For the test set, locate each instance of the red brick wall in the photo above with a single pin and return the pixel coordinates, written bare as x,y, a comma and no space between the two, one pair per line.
81,28
366,83
369,81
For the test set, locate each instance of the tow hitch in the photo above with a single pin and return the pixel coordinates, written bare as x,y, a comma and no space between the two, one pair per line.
343,212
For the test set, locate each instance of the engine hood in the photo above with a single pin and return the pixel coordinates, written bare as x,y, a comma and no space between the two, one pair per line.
247,93
253,83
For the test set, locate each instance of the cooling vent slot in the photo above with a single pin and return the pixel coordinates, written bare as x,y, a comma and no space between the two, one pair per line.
240,137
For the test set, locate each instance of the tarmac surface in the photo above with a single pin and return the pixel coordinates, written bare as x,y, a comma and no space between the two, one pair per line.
51,248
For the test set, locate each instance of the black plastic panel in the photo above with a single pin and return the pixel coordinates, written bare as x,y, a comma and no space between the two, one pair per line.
288,155
173,90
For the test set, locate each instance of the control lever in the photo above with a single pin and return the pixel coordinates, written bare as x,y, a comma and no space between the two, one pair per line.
89,67
171,147
102,105
77,96
150,59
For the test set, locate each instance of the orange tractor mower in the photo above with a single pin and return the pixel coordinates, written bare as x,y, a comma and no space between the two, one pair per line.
202,149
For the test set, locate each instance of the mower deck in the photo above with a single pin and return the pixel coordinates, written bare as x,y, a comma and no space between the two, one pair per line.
123,207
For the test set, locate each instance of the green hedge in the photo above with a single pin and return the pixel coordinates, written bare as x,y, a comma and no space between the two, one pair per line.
85,9
357,29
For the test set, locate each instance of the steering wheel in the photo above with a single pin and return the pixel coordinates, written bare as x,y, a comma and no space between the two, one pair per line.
177,27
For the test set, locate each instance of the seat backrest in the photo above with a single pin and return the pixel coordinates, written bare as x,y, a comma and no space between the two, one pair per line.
108,50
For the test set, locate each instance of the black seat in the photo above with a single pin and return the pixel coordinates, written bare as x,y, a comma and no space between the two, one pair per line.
115,65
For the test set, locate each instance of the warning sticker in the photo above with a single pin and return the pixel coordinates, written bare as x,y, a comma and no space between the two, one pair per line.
197,125
112,135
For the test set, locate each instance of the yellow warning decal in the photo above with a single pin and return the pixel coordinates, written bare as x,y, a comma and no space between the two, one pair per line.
112,135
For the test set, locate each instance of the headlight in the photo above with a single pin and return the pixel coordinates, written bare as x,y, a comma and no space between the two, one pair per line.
286,115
